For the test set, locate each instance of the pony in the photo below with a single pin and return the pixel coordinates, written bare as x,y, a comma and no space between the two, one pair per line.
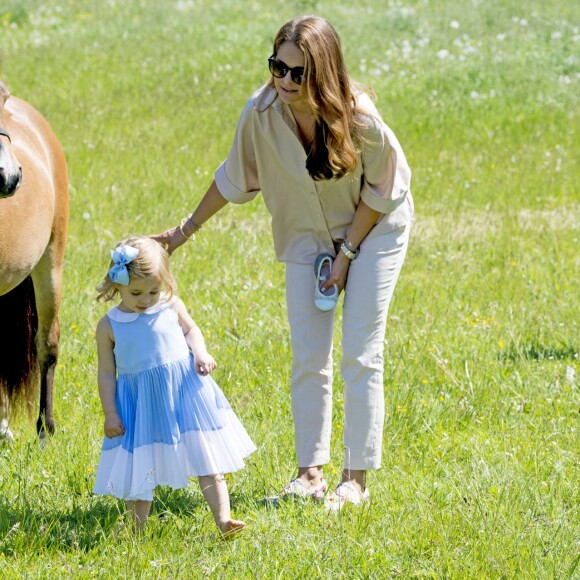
34,210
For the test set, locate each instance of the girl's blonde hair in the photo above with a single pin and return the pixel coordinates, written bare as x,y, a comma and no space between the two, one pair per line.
330,93
152,260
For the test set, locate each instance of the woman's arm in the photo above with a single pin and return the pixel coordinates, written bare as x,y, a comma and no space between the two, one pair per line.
364,219
107,379
210,204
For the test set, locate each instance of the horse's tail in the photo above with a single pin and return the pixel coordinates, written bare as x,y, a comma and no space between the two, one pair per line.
19,372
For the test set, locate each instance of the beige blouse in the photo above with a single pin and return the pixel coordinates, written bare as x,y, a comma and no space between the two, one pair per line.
308,216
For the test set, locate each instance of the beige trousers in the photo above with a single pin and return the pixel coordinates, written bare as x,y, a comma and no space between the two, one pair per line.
370,285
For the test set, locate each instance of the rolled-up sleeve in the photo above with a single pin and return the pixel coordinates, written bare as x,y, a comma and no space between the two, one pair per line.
386,174
237,177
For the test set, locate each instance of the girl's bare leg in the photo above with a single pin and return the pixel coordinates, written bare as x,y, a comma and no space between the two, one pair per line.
139,511
215,492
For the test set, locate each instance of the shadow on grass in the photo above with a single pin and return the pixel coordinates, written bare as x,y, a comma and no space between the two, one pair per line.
181,503
535,351
82,527
27,528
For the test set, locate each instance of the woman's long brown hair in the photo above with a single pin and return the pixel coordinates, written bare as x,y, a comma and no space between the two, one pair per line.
330,92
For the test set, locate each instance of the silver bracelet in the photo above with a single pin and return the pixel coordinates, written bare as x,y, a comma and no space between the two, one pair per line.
348,252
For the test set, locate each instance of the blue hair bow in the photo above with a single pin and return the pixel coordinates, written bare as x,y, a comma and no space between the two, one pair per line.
122,256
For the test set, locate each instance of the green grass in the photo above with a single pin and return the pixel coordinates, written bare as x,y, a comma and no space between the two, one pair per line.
481,457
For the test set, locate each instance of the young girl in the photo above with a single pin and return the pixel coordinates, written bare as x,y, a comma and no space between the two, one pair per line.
165,417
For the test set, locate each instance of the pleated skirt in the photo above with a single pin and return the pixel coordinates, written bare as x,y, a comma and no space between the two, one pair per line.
178,424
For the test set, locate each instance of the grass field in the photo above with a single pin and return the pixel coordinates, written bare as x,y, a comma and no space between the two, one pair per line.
481,463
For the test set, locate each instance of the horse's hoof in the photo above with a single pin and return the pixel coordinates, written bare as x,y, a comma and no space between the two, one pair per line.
5,432
45,428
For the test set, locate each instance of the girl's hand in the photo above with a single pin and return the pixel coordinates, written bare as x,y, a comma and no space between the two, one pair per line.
339,272
204,363
170,239
113,426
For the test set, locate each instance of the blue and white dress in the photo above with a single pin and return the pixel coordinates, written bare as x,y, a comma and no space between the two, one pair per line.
177,423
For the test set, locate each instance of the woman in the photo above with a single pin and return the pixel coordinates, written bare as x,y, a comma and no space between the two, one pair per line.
335,181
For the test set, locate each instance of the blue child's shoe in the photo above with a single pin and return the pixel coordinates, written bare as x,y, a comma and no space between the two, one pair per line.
324,300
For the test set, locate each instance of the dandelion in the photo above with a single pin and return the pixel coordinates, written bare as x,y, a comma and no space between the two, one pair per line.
501,344
90,469
425,381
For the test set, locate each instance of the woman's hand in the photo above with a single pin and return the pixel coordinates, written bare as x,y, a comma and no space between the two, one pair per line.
339,272
170,239
113,426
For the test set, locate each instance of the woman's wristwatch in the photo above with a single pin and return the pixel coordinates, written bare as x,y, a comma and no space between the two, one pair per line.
348,251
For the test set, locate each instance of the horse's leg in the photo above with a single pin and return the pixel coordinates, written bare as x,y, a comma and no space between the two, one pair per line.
5,431
47,279
18,360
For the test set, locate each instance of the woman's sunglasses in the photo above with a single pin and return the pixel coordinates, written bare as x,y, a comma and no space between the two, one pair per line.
280,69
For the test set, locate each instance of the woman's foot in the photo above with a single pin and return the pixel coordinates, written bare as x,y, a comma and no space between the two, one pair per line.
310,483
357,477
346,492
297,488
230,528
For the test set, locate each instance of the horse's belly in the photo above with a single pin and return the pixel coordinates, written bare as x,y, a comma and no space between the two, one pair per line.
24,236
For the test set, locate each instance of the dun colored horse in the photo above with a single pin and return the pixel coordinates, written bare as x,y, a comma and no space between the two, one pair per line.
33,229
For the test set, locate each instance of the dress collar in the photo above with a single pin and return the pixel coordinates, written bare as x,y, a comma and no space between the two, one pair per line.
120,316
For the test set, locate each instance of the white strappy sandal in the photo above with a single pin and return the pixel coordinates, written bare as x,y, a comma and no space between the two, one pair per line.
324,300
